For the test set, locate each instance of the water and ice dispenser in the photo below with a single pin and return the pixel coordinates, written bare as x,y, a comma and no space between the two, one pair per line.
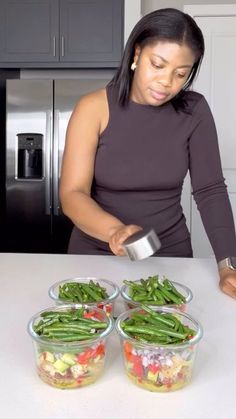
29,156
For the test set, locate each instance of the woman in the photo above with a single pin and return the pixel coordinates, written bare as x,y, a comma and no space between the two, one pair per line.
129,147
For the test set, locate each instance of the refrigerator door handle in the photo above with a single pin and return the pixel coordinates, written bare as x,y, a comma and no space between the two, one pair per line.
48,170
55,154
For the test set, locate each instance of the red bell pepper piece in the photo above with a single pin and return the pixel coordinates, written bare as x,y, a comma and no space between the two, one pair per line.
127,347
138,368
100,350
84,357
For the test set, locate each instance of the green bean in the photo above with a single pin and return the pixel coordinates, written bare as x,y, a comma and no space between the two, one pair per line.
180,328
153,331
91,322
160,328
158,316
140,297
143,282
68,294
80,312
154,291
55,324
177,324
159,295
189,330
77,294
95,325
155,322
67,326
174,290
131,283
137,316
82,292
55,330
172,297
152,302
142,329
72,337
40,326
98,289
168,332
130,321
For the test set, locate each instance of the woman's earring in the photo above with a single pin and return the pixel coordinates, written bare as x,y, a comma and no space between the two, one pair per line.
133,66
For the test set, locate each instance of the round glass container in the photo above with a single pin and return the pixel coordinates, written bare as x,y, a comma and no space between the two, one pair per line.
70,364
159,368
106,304
185,291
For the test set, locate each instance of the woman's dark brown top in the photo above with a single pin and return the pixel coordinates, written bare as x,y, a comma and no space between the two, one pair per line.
142,158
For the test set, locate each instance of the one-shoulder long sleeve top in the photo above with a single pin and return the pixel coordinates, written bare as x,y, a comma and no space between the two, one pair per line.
142,158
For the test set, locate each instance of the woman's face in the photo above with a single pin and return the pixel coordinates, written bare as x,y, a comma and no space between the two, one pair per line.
162,70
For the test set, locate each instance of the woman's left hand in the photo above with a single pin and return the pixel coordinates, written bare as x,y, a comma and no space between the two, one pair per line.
228,282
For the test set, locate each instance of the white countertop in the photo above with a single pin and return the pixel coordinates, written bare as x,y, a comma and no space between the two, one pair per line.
24,283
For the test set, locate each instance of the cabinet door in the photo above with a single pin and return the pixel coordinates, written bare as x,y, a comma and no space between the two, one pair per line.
29,31
91,31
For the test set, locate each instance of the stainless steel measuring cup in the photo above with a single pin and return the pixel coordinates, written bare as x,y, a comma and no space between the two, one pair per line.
142,244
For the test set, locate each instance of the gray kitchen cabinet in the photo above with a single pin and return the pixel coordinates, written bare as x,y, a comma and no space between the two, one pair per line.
28,31
91,31
61,33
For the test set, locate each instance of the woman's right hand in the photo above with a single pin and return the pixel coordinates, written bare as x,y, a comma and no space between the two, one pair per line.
119,235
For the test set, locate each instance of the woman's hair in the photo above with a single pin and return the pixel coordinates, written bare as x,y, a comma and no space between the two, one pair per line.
169,25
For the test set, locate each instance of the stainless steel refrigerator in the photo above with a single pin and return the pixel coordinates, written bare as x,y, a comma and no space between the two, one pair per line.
37,115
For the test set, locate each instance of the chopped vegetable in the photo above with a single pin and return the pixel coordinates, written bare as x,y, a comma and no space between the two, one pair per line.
61,364
69,326
154,291
90,292
163,366
161,328
80,292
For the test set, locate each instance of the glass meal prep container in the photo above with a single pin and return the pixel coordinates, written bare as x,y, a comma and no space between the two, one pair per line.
70,344
156,366
86,290
127,292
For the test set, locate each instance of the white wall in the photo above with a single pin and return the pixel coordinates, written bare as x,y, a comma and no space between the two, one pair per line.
132,14
150,5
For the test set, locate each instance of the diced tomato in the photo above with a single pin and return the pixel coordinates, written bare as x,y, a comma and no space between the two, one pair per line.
108,308
137,365
99,316
127,347
89,314
138,369
130,357
84,357
100,350
154,368
79,380
128,353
